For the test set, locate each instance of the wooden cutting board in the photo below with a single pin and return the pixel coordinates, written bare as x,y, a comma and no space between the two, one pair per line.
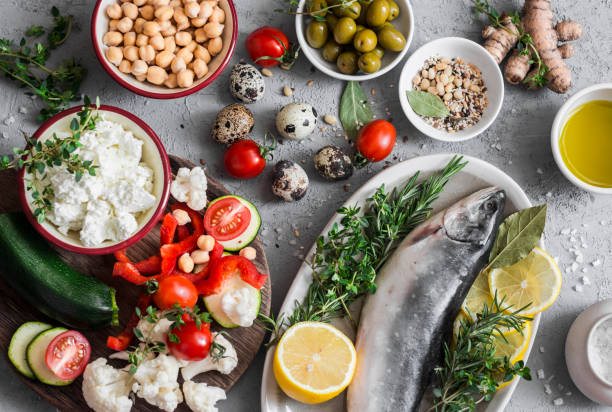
14,310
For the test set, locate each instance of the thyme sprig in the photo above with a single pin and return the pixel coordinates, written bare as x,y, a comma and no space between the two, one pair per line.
309,9
346,260
26,63
525,42
471,373
55,151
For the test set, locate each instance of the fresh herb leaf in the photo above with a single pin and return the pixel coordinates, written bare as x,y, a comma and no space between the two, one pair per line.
309,10
517,236
355,109
427,104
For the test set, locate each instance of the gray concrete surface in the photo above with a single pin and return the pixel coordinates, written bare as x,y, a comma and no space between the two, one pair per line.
518,142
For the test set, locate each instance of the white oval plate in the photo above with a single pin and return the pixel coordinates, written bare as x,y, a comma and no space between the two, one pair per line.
476,175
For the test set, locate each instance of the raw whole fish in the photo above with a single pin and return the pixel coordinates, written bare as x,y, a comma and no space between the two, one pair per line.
420,291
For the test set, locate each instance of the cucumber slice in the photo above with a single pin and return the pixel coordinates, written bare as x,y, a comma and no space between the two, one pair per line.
35,354
251,231
19,343
214,306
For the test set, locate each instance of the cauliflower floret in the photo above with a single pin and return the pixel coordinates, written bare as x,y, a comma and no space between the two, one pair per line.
201,397
105,388
240,305
156,382
190,187
224,365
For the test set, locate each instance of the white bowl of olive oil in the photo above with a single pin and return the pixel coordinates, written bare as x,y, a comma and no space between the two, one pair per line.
581,139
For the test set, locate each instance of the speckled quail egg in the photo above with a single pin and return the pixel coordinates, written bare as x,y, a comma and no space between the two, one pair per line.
296,120
289,181
246,83
333,164
233,123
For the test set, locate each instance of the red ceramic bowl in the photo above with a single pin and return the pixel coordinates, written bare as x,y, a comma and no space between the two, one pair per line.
153,154
99,26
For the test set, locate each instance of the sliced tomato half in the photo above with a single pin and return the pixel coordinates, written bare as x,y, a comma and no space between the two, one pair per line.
68,354
226,219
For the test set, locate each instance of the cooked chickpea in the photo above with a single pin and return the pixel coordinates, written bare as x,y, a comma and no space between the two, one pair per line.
139,2
114,12
156,75
206,10
180,17
199,257
170,82
130,10
248,252
164,13
170,31
213,29
131,53
192,9
191,46
114,55
125,25
169,44
146,53
112,38
175,3
142,40
202,53
141,77
125,66
150,28
185,55
157,42
185,263
198,22
200,68
147,12
129,38
112,25
159,3
215,46
138,25
182,38
218,15
206,243
164,58
178,65
200,36
139,68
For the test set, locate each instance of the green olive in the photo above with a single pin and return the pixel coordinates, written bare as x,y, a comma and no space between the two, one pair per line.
316,33
377,13
353,11
391,39
369,62
331,21
365,41
384,26
359,28
347,62
393,10
316,6
379,51
362,16
345,30
331,51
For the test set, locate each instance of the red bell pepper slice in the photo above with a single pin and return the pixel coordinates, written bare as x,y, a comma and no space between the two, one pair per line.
217,251
168,228
193,277
122,341
183,232
197,221
149,266
223,269
121,256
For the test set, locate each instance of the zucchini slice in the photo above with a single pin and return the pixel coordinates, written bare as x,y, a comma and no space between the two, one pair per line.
35,355
19,344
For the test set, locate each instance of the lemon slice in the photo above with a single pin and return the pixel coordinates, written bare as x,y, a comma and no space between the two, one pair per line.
477,296
515,345
314,362
535,280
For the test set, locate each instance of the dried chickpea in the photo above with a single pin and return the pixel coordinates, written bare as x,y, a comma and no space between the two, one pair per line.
129,38
113,11
112,25
114,55
218,15
112,38
125,24
130,10
199,257
157,42
170,81
200,68
139,2
164,25
150,28
125,66
191,46
180,17
215,46
164,13
147,12
175,3
159,3
146,53
206,243
206,10
213,29
192,9
139,68
156,75
202,53
142,40
164,58
185,55
141,77
169,44
248,252
182,38
178,65
185,263
138,23
131,53
198,22
200,36
181,217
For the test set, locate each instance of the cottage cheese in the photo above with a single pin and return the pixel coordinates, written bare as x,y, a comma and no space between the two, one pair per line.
240,306
105,206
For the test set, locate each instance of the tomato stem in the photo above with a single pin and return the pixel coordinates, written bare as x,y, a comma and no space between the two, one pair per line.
288,58
266,150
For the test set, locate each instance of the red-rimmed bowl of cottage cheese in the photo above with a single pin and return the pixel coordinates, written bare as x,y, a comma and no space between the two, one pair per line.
118,206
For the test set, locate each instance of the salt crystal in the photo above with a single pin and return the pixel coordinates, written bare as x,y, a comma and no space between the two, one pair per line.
573,239
509,162
23,110
9,120
578,288
565,231
558,402
5,135
547,389
574,266
603,222
584,225
549,194
574,231
542,349
584,270
541,374
579,258
585,280
568,394
596,263
539,171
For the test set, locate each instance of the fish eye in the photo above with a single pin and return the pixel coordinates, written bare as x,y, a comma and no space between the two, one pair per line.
491,206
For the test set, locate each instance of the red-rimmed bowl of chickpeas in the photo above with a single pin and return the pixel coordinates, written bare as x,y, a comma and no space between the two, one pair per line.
164,49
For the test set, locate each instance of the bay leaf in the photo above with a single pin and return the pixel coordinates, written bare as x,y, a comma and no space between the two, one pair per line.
518,234
355,109
427,104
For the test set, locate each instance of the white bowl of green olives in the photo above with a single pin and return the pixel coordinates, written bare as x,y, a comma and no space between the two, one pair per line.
354,39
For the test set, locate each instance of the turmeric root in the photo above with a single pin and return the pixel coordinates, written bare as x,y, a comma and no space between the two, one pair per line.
499,41
568,30
567,50
517,67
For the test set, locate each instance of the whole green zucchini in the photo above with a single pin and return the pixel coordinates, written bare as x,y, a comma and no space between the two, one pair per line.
35,270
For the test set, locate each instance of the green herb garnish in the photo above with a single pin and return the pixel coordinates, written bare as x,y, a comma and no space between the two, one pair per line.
355,109
427,104
315,9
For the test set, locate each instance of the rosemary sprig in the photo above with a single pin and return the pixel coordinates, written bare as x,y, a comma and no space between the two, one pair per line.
55,151
345,261
319,14
525,42
27,64
471,373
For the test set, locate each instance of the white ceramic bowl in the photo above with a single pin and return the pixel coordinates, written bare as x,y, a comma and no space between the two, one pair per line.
577,353
470,52
601,91
99,27
404,23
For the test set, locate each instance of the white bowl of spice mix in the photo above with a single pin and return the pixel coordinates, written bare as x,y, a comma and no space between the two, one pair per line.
455,88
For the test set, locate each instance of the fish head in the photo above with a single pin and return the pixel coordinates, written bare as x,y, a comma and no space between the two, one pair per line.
475,219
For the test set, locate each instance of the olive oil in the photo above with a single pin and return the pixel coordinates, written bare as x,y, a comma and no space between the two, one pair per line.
586,143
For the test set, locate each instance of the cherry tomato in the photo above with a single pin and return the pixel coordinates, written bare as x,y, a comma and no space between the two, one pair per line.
226,219
68,354
376,140
175,289
193,342
246,159
269,46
